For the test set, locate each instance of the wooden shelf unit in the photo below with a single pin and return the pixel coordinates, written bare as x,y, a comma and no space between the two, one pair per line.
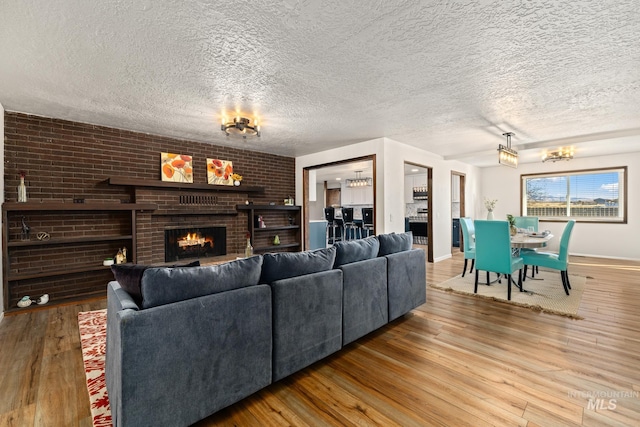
50,266
278,216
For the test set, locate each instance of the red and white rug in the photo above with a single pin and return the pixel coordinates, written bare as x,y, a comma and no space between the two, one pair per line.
93,340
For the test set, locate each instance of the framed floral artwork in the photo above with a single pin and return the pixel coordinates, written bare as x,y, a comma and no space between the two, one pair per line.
176,167
219,172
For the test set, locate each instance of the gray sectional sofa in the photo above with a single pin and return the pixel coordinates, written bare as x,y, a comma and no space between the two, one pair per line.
185,342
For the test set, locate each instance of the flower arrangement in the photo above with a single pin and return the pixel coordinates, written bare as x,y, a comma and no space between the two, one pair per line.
236,177
513,230
490,204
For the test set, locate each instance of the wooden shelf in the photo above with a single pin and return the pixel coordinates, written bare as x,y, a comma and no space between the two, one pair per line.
285,227
192,212
83,297
66,240
51,273
250,207
128,182
89,206
274,247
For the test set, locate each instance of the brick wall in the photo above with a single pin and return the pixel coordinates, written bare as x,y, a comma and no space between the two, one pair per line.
66,160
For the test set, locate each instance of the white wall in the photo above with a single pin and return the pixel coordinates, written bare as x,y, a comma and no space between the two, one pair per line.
316,208
396,154
1,187
600,240
390,158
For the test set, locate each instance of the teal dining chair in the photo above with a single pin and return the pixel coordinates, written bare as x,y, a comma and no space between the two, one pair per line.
559,261
493,252
468,244
525,222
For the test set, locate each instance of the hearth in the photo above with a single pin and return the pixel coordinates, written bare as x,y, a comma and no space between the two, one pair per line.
194,242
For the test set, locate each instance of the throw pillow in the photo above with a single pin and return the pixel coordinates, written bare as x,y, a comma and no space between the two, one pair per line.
392,243
163,285
283,265
129,276
356,250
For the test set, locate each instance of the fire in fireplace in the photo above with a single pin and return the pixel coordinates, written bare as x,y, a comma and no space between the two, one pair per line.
194,242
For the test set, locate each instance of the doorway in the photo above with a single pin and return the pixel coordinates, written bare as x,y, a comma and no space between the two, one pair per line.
327,185
457,210
418,201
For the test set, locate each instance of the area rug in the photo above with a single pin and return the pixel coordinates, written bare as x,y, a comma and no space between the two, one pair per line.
544,293
93,339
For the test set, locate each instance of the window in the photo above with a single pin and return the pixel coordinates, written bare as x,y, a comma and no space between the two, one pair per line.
597,195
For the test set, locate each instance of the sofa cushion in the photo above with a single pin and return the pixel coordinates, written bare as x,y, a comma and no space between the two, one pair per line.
356,250
130,275
283,265
166,285
392,243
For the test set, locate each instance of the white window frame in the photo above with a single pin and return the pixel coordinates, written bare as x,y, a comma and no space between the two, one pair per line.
621,218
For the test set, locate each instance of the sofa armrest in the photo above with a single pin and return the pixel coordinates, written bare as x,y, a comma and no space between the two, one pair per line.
406,281
178,363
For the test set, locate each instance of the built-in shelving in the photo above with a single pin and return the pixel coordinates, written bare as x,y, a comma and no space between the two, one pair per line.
279,223
49,250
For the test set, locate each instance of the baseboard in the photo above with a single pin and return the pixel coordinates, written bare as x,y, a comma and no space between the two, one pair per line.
605,257
442,258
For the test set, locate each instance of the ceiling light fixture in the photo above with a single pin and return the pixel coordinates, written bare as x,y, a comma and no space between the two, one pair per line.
560,154
506,155
240,126
359,181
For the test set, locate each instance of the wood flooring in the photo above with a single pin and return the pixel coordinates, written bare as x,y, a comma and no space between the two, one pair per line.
455,361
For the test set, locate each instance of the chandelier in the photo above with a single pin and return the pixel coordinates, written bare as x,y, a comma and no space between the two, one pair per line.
506,155
560,154
240,126
358,181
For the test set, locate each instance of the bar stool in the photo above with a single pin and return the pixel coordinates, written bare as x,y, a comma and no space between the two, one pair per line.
367,222
350,228
332,225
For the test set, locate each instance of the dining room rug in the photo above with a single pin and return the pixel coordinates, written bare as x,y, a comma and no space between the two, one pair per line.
544,293
93,339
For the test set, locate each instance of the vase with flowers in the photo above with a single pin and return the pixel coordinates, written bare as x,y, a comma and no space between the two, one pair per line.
490,204
513,230
236,179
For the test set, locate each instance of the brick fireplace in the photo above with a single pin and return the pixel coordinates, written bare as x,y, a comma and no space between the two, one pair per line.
67,162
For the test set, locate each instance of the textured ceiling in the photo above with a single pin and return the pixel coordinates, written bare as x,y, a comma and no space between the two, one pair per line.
446,76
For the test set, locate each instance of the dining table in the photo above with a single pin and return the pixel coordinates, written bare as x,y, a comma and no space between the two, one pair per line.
530,241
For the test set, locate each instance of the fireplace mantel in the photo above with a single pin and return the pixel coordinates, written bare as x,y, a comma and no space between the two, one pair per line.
162,185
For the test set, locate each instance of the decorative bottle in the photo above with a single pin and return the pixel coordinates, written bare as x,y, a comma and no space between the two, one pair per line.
248,251
22,190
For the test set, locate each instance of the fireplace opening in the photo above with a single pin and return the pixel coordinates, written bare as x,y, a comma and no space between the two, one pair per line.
194,242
